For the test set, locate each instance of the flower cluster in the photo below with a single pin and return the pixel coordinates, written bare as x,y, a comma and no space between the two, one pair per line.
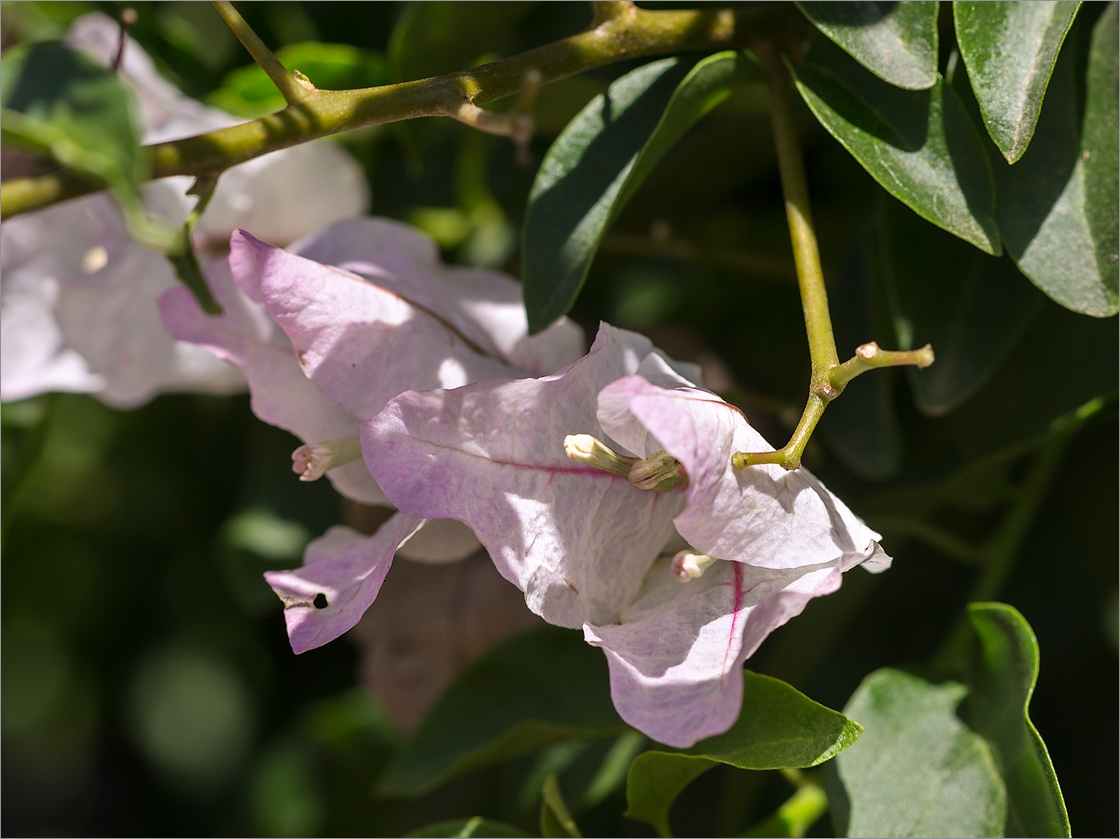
78,298
601,486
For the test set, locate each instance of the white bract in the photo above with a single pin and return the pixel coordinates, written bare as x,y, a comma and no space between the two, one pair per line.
591,550
325,334
77,295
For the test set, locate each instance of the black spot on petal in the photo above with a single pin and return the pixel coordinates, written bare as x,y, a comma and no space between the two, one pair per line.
320,601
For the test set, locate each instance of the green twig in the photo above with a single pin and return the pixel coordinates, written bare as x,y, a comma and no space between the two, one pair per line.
870,357
636,34
291,89
806,256
828,376
606,10
807,260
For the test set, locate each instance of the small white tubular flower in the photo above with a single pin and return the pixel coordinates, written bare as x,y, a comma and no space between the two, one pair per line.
312,461
689,565
583,448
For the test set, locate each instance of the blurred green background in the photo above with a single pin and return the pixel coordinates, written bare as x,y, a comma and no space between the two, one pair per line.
148,686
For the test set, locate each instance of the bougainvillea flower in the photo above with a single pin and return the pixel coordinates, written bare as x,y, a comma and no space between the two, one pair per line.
591,551
325,335
77,301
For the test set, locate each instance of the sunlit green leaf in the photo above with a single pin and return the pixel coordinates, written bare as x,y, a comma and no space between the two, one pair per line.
919,145
895,41
1057,207
1003,672
779,727
917,770
248,92
599,161
1100,156
62,102
537,688
1010,49
969,306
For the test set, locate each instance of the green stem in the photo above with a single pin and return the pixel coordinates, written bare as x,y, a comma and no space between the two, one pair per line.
870,357
610,9
806,255
635,33
807,260
788,455
828,376
291,89
797,814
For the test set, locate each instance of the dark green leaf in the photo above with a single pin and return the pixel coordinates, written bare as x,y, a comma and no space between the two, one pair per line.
599,161
537,688
465,828
919,145
917,770
1010,49
895,41
1078,362
248,92
1003,672
78,112
655,781
1057,206
556,821
862,426
778,728
971,307
441,37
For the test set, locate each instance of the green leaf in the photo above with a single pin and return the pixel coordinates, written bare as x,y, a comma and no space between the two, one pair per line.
1003,672
778,728
440,37
919,145
556,821
1058,206
917,770
61,102
1100,156
895,41
248,92
862,428
1077,361
971,307
1010,50
534,689
655,781
465,828
598,162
